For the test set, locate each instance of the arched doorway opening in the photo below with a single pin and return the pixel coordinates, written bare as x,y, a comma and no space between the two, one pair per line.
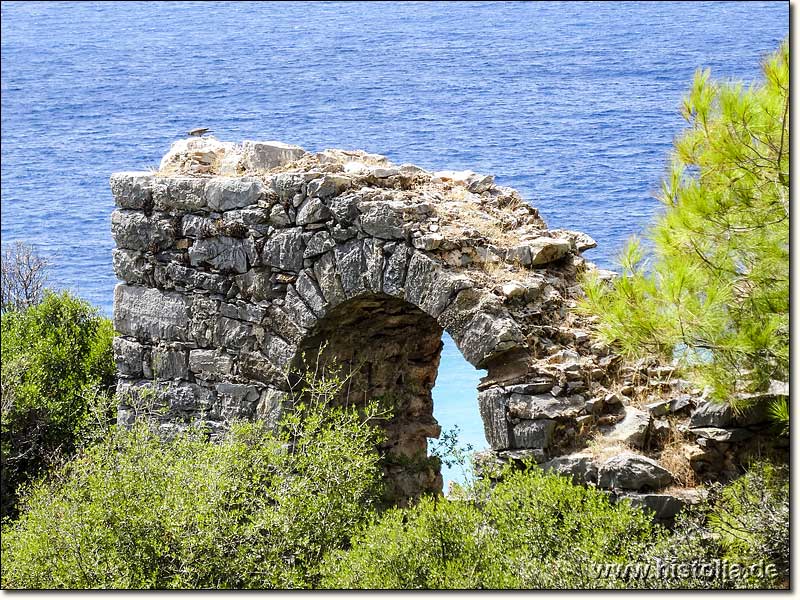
391,350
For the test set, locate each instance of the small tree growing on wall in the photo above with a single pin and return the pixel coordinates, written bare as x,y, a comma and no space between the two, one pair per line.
715,293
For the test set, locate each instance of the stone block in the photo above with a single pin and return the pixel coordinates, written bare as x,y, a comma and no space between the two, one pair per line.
132,190
212,363
536,433
228,193
181,193
284,250
129,356
382,220
262,156
582,468
629,471
328,279
223,253
544,406
492,404
313,210
149,314
134,230
169,363
712,414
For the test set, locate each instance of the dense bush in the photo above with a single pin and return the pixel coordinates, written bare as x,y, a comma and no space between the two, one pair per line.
533,530
745,523
256,510
57,373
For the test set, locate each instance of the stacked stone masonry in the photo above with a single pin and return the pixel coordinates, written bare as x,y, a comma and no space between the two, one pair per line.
243,265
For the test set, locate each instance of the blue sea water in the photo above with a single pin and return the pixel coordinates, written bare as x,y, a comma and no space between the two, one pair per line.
573,103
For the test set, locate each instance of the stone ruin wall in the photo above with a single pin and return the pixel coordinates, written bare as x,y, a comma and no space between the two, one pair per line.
243,263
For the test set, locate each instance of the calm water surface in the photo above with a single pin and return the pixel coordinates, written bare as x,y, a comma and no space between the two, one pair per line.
574,104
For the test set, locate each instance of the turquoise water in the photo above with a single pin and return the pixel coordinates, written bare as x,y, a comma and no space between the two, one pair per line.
574,104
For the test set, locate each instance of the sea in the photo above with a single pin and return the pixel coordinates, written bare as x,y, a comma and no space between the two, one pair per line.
575,104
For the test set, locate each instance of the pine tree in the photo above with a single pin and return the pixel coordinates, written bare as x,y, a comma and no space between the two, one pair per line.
714,291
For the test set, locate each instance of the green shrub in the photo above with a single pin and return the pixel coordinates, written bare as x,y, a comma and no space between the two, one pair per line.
256,510
715,290
533,530
57,373
743,523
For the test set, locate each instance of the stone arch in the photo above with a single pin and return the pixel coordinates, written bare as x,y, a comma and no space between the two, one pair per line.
378,309
236,258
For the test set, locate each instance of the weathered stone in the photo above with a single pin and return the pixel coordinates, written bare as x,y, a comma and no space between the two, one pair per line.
663,506
659,408
428,242
279,352
344,209
328,279
237,401
351,267
312,211
132,190
680,404
718,434
129,356
310,293
261,156
297,309
169,363
278,217
712,414
632,430
485,336
181,193
233,334
429,287
271,406
580,467
133,230
287,185
210,362
493,404
382,220
394,275
228,193
544,406
545,250
148,314
629,471
534,385
284,250
328,185
533,433
373,265
224,253
320,243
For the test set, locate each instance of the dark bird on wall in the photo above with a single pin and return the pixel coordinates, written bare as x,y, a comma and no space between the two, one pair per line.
199,132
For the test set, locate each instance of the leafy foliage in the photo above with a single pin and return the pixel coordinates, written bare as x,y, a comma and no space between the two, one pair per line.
57,373
533,530
716,291
744,523
256,510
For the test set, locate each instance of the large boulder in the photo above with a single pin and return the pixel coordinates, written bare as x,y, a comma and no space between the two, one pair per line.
582,468
630,471
632,430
